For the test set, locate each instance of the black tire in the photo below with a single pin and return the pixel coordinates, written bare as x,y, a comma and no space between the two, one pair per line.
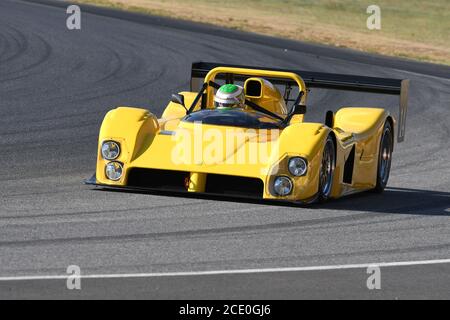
384,157
326,170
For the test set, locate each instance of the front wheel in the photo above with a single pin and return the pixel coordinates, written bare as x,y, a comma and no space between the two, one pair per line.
326,170
384,158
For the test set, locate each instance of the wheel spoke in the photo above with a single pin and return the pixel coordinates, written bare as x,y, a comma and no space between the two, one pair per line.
326,170
385,156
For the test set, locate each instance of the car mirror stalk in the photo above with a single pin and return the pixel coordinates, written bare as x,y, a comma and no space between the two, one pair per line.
178,99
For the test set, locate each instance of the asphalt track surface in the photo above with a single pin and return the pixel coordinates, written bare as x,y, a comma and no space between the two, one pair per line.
55,87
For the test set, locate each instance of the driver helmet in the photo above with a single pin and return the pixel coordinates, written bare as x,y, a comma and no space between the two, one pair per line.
230,96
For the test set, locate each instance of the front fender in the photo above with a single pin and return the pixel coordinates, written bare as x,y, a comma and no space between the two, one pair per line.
134,129
306,140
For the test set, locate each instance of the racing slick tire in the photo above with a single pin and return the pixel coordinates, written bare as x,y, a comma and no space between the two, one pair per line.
384,157
326,170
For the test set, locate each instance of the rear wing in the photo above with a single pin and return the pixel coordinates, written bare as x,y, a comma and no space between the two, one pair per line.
321,80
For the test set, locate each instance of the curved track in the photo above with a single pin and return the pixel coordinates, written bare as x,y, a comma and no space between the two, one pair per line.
55,87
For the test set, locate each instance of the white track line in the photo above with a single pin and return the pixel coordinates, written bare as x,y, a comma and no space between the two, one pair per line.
230,272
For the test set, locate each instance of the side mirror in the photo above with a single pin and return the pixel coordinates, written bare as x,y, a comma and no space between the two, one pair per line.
178,99
298,109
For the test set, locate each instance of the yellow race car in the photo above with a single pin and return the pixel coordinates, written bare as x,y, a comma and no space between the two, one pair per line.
240,131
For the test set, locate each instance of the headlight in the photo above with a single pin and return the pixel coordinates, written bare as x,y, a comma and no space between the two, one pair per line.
282,186
298,166
114,171
110,150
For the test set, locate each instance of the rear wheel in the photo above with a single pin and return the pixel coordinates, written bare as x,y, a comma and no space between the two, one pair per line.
384,157
326,170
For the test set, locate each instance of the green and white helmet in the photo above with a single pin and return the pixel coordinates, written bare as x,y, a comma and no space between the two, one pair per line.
230,96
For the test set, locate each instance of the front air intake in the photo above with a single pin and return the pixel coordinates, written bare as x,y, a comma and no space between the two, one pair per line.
158,179
234,186
170,180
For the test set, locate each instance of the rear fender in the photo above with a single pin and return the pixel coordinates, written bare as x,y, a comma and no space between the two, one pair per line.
366,125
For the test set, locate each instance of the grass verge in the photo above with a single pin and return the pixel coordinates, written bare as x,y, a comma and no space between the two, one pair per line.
415,29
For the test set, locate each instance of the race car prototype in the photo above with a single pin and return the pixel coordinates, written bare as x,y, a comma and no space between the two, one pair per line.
240,132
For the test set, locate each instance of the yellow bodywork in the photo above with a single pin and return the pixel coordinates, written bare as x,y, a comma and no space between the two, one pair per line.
169,143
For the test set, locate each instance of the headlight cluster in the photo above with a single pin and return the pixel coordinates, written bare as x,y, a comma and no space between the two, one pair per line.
114,171
110,150
283,185
297,166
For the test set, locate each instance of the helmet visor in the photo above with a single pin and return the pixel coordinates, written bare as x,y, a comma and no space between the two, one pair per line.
226,105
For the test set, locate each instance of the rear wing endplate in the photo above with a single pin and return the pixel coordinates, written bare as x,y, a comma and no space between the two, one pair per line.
322,80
